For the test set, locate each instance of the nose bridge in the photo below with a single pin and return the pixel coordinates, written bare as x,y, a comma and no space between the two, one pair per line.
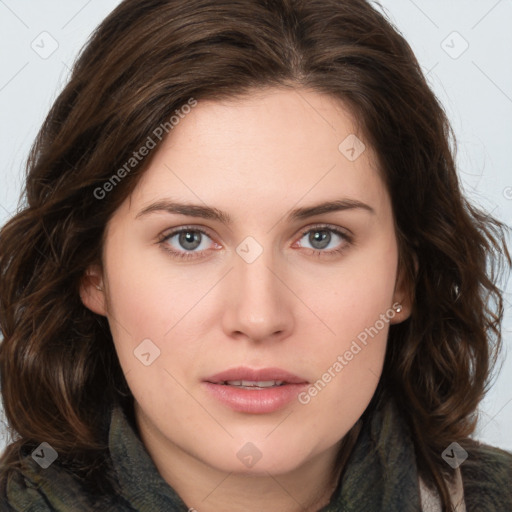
256,279
260,306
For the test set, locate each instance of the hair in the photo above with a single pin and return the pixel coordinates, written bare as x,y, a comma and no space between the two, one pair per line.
59,369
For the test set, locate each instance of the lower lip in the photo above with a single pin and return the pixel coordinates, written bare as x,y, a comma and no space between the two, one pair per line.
255,401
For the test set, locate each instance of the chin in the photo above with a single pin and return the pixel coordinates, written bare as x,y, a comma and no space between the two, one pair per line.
259,458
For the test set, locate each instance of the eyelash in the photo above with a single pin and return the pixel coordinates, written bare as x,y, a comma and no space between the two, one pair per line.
186,255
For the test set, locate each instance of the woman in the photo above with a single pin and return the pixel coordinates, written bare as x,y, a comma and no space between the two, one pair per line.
248,278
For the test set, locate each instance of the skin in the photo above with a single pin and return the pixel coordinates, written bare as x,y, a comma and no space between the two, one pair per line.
256,158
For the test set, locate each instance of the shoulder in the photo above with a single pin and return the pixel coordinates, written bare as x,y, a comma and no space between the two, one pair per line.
487,477
31,488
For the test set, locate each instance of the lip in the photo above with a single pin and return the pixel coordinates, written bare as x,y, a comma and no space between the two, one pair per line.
244,373
255,401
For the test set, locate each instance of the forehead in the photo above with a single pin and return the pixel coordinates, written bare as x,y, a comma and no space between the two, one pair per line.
271,147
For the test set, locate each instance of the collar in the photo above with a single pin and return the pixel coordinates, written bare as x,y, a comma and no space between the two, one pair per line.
381,472
140,482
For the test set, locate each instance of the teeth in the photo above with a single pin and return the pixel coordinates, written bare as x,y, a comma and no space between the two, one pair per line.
254,384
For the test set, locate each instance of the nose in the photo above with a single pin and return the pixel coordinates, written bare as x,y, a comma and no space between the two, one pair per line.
259,306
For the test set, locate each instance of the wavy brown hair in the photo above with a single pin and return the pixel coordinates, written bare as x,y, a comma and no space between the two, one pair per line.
59,370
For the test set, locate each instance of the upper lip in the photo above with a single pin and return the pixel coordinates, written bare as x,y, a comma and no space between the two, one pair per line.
251,374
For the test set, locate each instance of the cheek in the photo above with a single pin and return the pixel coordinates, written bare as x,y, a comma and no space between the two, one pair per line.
356,306
149,302
143,305
146,299
346,377
354,295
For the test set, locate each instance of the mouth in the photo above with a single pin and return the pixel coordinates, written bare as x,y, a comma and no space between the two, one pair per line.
252,378
255,391
252,384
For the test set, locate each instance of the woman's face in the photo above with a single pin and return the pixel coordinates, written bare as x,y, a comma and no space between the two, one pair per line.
253,341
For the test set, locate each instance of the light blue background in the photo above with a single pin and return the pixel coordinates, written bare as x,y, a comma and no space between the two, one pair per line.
475,89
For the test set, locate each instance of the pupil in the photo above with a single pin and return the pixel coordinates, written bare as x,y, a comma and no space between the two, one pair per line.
323,237
189,239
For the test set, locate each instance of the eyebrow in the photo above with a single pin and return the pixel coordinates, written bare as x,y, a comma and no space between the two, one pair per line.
208,212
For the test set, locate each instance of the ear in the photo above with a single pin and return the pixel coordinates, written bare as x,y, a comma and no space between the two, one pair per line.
92,290
403,296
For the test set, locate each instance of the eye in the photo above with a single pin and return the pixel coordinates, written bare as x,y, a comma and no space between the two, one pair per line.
321,237
188,241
